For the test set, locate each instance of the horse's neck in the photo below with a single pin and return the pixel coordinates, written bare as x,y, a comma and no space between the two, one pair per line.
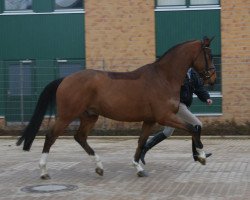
174,65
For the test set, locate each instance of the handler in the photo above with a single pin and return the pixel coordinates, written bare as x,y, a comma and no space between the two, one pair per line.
192,85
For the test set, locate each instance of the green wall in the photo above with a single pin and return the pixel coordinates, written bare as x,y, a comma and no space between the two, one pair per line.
42,36
174,27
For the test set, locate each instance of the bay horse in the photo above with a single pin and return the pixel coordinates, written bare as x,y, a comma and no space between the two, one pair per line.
149,94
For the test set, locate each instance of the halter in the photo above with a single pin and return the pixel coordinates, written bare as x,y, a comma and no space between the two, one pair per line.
205,74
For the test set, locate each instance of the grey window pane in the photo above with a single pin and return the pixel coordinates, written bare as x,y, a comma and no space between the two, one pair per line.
68,4
171,2
19,79
18,5
204,2
66,69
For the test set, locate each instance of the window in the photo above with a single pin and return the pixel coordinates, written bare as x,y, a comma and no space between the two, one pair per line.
20,96
41,5
186,3
69,67
68,4
20,78
17,5
171,2
202,2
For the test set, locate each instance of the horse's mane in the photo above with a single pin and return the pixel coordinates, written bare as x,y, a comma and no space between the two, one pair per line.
133,75
172,48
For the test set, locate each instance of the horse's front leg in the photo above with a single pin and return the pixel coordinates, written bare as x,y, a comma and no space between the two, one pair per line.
146,131
197,146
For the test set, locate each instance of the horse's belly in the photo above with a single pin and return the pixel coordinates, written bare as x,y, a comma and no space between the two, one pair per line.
126,112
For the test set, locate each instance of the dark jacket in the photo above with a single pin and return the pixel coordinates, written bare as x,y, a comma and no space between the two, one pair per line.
193,85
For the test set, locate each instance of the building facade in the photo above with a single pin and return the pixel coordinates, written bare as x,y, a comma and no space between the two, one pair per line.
54,38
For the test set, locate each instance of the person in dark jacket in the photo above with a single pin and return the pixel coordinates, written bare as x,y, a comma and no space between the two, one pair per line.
192,85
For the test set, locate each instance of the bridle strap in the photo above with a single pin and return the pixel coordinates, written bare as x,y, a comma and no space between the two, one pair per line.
206,73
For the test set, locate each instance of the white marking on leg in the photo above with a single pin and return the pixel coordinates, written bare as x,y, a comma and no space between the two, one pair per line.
201,153
98,161
42,164
138,166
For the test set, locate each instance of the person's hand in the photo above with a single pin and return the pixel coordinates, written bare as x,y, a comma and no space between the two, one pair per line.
209,101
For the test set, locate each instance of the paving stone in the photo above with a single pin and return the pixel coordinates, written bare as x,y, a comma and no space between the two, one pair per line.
173,175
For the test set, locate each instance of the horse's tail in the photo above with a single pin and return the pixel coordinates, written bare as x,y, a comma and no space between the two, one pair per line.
46,98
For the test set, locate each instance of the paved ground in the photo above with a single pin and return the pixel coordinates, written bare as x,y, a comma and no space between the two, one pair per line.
173,174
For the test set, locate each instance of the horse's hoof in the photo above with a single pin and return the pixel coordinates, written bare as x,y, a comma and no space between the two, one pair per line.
201,160
99,171
45,177
142,174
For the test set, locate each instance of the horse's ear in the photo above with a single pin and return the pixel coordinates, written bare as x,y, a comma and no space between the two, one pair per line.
206,41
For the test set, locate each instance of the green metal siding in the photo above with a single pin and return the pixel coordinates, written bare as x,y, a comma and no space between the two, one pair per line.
174,27
2,88
43,6
45,36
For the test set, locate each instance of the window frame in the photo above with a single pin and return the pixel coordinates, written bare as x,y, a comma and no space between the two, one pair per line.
60,62
23,65
19,100
48,6
187,5
4,10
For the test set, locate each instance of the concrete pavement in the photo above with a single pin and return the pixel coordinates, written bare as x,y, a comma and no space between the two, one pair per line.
173,175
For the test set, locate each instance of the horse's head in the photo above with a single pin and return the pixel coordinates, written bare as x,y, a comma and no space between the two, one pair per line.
203,63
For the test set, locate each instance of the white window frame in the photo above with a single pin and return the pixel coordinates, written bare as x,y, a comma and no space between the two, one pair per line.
187,6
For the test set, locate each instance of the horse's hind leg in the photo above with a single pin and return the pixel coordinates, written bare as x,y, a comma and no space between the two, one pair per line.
87,122
50,139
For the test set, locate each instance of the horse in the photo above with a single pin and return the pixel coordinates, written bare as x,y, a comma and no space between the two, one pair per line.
149,94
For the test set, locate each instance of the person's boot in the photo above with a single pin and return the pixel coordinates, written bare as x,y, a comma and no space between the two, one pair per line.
195,152
152,142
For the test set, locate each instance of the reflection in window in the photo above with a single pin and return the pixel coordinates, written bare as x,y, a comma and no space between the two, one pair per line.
204,2
20,79
171,2
66,69
18,5
68,4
